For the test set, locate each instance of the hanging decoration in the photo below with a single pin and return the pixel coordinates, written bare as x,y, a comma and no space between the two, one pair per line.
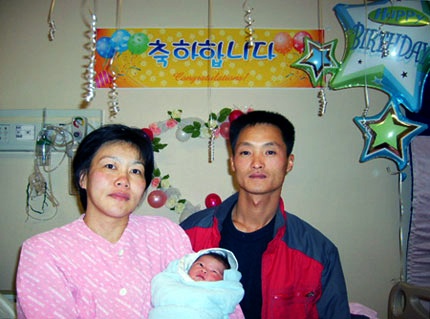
90,76
249,20
119,43
113,94
161,192
212,119
322,91
318,60
51,22
387,48
322,102
211,145
388,134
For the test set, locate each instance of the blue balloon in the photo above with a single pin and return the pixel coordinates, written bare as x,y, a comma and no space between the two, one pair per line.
120,40
386,49
104,48
388,134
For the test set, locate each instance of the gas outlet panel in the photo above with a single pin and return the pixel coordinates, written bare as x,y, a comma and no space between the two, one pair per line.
19,129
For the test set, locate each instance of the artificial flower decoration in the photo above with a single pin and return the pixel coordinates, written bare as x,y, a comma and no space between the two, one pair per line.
162,193
386,49
388,134
318,60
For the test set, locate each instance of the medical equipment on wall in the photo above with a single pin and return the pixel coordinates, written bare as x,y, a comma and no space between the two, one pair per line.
41,201
50,136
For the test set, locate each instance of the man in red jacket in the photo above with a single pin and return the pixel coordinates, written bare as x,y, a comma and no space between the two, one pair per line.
289,269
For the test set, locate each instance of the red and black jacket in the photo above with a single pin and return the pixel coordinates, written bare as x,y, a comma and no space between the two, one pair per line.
302,277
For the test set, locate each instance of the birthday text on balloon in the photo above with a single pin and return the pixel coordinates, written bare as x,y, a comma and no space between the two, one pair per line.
400,45
401,16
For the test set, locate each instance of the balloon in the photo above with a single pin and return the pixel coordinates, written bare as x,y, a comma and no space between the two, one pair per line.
212,200
182,136
387,49
103,79
138,43
388,134
157,198
224,129
283,43
318,60
120,40
105,48
299,42
149,133
234,115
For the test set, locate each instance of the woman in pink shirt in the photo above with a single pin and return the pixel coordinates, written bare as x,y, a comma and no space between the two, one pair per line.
101,265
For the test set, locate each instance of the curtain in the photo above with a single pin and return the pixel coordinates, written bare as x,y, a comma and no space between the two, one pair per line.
418,251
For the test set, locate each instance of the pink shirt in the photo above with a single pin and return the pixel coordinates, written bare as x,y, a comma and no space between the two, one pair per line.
71,272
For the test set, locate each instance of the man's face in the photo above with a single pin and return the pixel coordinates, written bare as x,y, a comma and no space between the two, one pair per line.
260,161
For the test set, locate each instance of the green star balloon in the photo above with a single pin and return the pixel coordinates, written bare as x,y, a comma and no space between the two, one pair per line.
388,134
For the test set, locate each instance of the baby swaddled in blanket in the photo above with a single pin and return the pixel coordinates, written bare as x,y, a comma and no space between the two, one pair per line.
205,284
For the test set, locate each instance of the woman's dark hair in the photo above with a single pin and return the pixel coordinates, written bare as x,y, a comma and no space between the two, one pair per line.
111,133
253,118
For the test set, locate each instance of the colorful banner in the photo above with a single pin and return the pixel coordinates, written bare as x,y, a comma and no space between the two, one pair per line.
174,58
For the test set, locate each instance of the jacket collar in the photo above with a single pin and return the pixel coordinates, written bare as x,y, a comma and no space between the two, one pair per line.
224,210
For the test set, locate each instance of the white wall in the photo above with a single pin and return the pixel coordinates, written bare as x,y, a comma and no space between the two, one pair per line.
355,204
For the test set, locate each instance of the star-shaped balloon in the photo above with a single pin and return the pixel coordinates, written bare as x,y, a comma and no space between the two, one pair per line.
388,134
387,48
317,60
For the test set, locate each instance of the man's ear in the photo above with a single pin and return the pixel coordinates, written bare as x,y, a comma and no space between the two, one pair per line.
232,167
290,163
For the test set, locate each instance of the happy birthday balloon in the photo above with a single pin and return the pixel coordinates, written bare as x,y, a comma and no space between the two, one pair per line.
138,43
157,198
387,50
212,200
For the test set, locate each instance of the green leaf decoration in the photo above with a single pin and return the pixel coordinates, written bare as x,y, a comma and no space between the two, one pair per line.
157,145
223,114
188,129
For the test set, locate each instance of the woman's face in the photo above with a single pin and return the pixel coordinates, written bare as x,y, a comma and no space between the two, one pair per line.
115,182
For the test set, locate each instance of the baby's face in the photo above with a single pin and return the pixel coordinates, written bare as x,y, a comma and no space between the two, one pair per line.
206,268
